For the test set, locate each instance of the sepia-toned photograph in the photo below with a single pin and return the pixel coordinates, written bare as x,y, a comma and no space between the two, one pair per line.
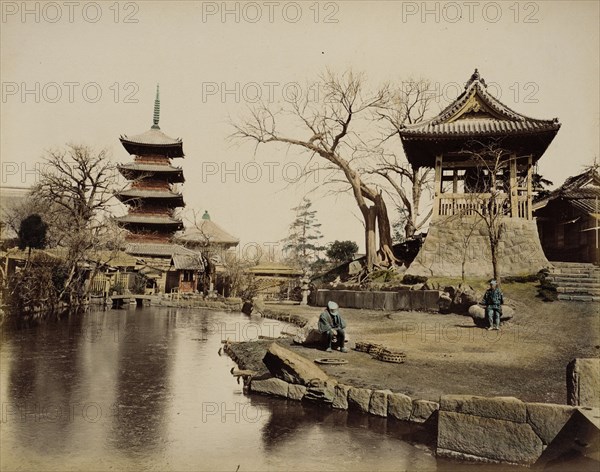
311,235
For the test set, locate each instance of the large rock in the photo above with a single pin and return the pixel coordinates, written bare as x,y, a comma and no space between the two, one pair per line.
296,392
340,400
502,408
399,406
548,419
422,410
291,367
309,334
378,404
320,392
268,385
583,382
475,437
477,312
359,399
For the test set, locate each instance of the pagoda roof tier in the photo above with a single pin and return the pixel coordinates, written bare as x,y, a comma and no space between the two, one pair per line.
476,115
163,172
158,249
148,220
171,198
153,141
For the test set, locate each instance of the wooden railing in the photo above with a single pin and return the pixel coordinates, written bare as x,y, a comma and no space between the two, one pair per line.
451,204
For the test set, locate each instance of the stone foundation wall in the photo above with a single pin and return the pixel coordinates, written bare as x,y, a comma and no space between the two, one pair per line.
418,300
454,239
497,429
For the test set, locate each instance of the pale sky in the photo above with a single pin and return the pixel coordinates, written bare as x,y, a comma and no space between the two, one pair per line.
211,60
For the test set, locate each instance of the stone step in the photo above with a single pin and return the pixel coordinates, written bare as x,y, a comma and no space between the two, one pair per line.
579,290
594,272
577,283
573,264
578,298
584,275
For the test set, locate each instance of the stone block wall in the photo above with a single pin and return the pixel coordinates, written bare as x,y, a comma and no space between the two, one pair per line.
418,300
497,429
583,382
452,239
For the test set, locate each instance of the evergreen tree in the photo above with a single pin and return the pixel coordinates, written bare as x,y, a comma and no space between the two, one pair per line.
32,233
342,251
304,241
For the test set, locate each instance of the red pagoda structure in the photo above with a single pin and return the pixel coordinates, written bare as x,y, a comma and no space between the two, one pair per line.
152,202
150,197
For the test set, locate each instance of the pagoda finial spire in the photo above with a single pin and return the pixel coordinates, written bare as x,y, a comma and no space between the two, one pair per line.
156,109
475,77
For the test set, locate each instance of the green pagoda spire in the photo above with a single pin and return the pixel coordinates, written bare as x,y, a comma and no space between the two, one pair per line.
156,109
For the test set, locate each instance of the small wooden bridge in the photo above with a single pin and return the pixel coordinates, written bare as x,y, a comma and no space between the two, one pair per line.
117,301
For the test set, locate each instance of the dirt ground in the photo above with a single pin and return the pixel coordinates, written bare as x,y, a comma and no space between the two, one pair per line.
448,354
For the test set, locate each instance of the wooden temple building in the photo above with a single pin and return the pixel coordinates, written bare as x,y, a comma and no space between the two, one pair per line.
483,155
152,201
568,219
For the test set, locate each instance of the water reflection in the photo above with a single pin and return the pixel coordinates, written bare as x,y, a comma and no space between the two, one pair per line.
145,389
142,384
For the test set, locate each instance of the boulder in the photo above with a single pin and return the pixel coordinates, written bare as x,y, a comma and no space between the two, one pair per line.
583,382
340,399
422,410
477,312
309,334
320,392
296,392
477,438
399,406
359,399
548,419
268,385
291,367
445,302
378,405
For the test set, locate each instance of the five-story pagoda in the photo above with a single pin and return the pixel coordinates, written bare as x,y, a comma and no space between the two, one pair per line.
150,197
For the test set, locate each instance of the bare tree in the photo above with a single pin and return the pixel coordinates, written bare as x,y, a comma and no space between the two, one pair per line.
76,188
410,102
331,129
487,194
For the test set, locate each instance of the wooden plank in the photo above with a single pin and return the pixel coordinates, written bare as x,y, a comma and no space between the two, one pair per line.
529,188
438,185
514,198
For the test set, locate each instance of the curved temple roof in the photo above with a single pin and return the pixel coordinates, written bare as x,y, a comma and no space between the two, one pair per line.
163,172
150,220
473,115
154,140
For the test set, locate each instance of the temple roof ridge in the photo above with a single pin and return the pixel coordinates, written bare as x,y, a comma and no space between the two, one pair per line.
475,99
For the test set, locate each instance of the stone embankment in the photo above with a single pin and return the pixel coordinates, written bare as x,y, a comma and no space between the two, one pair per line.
468,428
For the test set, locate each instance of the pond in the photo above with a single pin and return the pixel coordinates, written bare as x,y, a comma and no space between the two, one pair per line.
147,389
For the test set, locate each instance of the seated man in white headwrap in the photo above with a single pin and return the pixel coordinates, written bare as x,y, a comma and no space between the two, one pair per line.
332,324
